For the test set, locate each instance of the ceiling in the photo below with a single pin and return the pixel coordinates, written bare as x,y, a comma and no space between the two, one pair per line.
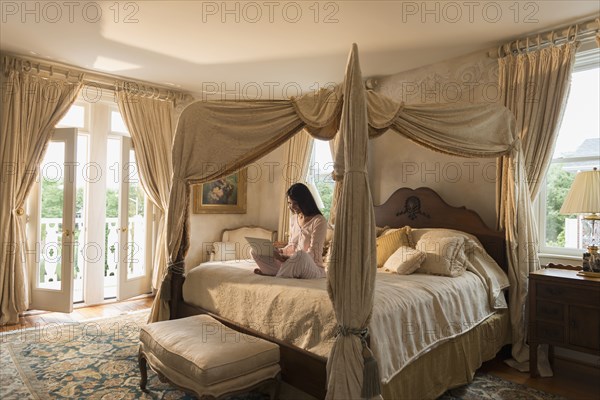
275,48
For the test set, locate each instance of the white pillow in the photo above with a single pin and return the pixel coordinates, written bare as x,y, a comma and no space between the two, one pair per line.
445,253
404,261
225,251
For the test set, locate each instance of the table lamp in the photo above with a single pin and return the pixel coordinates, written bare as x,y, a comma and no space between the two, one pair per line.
584,198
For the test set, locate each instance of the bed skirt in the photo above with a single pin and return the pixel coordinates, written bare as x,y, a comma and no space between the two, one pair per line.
451,364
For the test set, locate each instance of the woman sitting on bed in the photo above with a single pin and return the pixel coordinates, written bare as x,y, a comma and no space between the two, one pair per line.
303,256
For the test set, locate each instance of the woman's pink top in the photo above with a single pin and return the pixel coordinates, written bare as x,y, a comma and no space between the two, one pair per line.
310,238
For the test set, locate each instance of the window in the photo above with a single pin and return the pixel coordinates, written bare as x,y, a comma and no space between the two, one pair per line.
319,177
577,149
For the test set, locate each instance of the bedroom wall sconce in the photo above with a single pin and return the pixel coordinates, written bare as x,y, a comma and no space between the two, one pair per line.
584,198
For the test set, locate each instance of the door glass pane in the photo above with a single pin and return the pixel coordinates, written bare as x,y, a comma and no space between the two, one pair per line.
136,227
81,188
52,194
112,227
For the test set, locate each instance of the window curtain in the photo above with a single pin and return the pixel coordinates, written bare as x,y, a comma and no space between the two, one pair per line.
150,124
297,160
534,85
31,106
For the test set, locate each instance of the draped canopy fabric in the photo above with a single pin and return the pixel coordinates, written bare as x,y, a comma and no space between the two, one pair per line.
214,139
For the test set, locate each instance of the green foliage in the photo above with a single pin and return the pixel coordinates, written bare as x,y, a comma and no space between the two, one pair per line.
325,186
559,182
52,198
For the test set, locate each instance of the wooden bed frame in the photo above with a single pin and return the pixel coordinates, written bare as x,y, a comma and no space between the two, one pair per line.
418,208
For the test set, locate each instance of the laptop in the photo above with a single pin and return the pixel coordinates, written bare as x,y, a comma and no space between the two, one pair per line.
263,247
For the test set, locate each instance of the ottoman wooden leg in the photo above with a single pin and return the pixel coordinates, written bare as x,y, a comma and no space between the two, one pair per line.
144,371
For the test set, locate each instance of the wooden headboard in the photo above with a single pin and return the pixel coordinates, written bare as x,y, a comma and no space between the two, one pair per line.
424,208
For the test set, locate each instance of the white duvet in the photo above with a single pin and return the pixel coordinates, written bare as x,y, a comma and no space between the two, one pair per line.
411,313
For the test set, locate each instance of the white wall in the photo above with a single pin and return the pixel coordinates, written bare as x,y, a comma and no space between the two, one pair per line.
397,162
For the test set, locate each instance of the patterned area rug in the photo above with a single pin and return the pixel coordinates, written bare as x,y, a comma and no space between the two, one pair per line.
490,387
97,359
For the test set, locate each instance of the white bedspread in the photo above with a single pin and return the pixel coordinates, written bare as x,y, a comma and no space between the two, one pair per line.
411,314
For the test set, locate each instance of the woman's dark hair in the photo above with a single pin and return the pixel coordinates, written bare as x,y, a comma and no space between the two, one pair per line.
302,195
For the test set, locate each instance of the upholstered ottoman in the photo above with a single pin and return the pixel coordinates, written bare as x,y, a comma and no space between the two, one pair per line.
201,355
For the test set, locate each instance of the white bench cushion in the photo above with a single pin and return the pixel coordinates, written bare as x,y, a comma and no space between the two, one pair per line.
205,350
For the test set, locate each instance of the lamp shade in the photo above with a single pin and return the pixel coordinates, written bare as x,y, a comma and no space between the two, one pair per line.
584,196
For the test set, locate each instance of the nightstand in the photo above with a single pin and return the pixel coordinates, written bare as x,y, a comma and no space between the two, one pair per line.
564,310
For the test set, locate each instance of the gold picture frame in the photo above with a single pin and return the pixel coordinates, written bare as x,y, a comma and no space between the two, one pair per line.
223,196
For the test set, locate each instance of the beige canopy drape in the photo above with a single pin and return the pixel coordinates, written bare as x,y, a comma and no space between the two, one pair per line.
31,106
353,266
214,139
149,121
296,160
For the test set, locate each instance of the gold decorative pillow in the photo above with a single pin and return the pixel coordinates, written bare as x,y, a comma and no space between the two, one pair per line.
380,230
388,243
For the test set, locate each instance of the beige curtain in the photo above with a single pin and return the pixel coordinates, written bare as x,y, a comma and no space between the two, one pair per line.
150,123
297,160
351,368
535,85
31,106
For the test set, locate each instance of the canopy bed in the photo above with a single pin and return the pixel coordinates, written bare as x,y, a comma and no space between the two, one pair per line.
214,139
297,315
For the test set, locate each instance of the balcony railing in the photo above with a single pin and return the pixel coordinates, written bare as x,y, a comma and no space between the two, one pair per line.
50,253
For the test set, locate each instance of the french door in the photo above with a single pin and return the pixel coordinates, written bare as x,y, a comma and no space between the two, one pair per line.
89,224
54,237
127,232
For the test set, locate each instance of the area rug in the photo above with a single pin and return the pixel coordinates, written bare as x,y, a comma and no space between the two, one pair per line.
97,359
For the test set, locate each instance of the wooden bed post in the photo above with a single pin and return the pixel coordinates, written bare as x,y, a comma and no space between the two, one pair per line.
177,280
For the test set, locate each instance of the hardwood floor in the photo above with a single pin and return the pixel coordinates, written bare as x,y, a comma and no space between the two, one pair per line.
109,309
570,380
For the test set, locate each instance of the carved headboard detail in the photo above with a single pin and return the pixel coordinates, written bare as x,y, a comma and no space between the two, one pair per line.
424,208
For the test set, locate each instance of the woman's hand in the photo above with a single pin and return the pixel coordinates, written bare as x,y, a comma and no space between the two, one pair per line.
279,256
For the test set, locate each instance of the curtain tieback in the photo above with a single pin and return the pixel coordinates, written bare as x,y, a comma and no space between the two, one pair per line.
20,211
347,331
371,385
177,267
356,170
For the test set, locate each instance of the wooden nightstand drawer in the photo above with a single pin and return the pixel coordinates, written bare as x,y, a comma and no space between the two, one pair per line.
550,311
568,294
552,333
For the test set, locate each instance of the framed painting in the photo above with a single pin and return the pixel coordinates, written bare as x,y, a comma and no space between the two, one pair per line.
223,196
